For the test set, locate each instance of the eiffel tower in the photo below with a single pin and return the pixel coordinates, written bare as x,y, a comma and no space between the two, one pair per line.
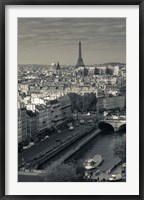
80,60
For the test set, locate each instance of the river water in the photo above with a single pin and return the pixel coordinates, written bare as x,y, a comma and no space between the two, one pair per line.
72,169
102,145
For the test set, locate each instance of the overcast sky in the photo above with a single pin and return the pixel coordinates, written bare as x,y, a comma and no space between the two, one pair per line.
45,40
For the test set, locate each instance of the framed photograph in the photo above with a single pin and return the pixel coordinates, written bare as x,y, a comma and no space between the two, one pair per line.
71,99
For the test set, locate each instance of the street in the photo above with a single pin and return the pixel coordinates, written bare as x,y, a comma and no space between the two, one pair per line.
49,143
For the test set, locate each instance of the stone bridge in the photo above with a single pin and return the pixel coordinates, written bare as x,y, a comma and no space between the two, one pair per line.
115,124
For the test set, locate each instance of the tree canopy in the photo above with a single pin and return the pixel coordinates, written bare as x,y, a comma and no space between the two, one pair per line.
64,173
119,147
83,103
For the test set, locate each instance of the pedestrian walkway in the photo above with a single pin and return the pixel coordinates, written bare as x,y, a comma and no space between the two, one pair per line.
114,174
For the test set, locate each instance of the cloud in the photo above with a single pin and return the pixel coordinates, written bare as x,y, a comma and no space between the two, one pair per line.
64,33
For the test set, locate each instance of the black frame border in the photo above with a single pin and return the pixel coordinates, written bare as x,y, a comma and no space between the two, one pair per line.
3,3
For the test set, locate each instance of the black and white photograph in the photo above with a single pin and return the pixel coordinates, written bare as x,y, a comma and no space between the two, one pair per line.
71,99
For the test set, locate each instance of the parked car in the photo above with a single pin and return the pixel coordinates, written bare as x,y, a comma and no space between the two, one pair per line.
71,128
25,147
90,121
31,144
47,136
82,121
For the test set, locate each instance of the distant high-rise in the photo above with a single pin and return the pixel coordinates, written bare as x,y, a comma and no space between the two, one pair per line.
80,60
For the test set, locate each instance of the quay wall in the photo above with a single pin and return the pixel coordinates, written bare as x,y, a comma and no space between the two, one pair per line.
69,153
46,155
66,155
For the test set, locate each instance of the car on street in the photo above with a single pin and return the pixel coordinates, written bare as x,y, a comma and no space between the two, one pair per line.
90,121
47,136
71,128
25,147
31,144
59,131
82,121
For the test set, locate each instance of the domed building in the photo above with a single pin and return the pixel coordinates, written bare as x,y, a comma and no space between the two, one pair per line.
53,65
54,68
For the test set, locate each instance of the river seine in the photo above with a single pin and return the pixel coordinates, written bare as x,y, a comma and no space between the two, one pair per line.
72,169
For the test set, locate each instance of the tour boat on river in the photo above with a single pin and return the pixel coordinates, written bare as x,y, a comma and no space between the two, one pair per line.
93,162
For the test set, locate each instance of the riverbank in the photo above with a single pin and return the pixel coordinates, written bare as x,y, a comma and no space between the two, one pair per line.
67,165
115,173
38,174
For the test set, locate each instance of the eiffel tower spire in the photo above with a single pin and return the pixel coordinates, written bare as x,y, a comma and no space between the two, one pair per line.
80,60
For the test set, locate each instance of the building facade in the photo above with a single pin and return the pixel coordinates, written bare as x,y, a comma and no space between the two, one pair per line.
24,123
109,103
19,126
32,124
42,118
65,103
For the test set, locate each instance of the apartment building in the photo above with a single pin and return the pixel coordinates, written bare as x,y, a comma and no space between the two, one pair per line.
109,103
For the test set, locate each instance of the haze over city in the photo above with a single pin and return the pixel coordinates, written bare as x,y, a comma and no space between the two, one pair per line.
45,40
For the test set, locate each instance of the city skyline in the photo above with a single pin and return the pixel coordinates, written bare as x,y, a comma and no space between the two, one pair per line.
45,40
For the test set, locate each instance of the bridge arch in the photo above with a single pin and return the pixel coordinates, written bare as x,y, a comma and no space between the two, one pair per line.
122,128
104,125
